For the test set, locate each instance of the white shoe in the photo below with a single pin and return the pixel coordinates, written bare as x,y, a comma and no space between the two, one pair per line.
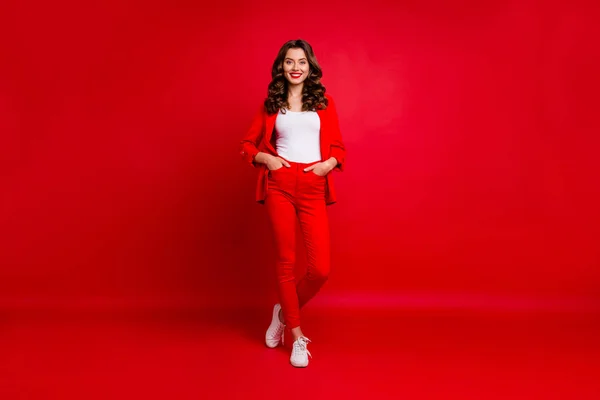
275,331
300,353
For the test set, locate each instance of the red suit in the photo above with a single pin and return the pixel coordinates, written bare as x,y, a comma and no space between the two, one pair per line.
290,195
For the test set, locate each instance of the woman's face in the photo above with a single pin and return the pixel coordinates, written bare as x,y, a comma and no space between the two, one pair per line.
295,66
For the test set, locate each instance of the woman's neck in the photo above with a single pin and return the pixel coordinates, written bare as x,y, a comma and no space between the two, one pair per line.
295,90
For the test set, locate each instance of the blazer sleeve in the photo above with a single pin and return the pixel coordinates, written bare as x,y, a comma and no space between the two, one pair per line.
337,147
249,144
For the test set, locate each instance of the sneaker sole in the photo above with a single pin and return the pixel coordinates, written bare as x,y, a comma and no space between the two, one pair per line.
299,366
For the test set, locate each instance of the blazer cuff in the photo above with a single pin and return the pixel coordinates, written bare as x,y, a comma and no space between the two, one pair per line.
248,155
340,156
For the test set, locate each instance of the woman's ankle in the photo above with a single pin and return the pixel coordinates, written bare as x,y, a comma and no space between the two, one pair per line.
297,333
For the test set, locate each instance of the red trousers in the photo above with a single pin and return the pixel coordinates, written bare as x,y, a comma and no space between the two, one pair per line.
294,195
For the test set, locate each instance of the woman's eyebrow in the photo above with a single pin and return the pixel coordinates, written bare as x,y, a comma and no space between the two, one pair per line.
287,58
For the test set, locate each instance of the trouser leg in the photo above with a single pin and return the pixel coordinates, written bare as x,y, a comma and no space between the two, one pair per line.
314,224
282,215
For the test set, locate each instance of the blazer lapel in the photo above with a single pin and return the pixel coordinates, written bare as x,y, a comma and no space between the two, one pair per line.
322,135
269,125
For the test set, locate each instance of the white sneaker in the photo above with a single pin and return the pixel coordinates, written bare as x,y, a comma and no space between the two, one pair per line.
300,353
275,331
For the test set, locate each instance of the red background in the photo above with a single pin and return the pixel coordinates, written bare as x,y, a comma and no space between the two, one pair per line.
471,133
134,262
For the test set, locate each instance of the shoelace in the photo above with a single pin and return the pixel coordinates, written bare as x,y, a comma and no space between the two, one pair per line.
301,345
279,331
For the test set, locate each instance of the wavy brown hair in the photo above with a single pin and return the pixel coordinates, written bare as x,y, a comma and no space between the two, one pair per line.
313,91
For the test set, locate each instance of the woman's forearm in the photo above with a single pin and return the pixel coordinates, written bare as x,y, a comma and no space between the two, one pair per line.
332,161
261,157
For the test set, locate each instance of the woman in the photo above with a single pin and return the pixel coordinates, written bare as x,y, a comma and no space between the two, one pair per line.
295,139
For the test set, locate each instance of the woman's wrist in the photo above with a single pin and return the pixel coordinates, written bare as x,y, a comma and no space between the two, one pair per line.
261,157
332,161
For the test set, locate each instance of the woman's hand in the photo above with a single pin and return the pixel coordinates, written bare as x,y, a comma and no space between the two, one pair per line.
322,168
273,162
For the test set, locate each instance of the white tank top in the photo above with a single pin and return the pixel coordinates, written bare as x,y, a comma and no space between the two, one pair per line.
298,136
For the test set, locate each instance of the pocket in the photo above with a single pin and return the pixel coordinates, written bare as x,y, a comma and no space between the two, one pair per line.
270,172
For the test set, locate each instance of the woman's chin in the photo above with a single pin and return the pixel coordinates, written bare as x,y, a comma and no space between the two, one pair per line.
295,81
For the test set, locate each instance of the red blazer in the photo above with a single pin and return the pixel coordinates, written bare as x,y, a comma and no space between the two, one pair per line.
260,137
